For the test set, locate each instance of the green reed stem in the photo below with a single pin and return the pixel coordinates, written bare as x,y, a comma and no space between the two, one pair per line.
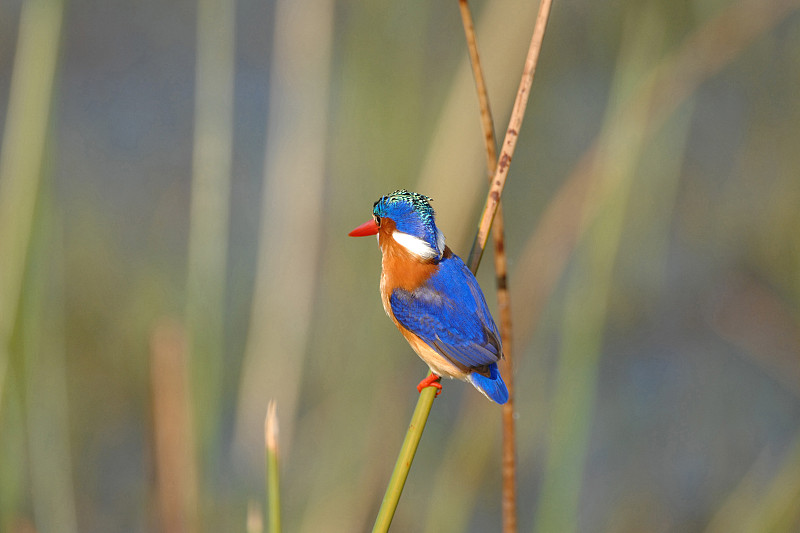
209,220
22,153
404,459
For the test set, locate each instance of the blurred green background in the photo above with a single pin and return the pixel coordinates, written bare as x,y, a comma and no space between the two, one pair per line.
177,180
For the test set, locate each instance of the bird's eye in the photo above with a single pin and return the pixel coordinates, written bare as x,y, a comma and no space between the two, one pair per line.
377,220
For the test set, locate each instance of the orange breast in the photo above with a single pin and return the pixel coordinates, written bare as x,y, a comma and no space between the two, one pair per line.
400,267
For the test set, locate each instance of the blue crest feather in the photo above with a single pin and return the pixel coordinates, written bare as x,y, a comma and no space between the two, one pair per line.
412,214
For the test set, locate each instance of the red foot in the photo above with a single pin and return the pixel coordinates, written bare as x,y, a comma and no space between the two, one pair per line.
432,380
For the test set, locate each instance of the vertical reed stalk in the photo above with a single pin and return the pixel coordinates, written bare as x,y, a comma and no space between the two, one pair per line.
22,158
175,459
208,232
509,498
41,346
22,153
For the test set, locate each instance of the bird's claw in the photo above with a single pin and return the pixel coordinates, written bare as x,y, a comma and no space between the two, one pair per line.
432,380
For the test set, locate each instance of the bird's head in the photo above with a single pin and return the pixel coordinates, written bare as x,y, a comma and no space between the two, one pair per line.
408,218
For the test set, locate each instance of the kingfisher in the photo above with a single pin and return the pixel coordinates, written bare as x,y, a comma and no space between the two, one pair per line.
432,297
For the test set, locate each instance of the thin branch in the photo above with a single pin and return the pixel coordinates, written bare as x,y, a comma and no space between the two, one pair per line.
509,461
487,123
512,134
509,468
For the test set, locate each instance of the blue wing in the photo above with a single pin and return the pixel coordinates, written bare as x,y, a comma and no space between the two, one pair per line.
450,314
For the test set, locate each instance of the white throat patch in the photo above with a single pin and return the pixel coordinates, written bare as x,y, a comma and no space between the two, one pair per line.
419,247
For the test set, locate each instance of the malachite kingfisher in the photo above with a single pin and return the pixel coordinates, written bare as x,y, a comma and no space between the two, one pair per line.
432,297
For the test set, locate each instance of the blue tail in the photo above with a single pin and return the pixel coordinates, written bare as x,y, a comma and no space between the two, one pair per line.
491,387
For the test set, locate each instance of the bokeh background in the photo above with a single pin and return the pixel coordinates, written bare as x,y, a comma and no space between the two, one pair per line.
177,180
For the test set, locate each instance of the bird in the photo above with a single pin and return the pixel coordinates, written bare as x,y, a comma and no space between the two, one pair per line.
432,297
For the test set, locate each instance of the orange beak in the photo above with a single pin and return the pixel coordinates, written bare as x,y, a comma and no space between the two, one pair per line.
365,229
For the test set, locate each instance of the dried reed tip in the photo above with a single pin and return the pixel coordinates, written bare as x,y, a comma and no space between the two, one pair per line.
255,522
271,428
